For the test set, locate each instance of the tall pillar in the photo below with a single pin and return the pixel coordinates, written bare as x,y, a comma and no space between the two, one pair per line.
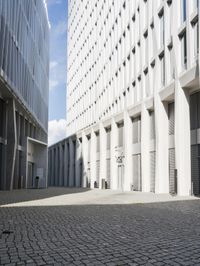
93,158
53,167
182,140
113,145
145,156
11,143
23,155
66,170
50,167
78,163
128,171
102,154
162,146
16,169
84,159
56,165
60,165
3,161
71,163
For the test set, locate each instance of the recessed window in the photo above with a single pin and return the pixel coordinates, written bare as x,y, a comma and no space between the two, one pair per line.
195,26
183,10
162,27
183,50
196,3
162,70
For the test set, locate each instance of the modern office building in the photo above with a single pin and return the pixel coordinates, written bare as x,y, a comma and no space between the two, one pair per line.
133,97
24,78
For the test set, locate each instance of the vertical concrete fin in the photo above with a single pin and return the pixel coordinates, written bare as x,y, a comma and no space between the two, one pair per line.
11,143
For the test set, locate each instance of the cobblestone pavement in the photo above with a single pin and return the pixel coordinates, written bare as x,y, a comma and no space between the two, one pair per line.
137,234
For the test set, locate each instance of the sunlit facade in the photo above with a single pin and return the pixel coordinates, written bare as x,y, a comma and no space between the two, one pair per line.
24,83
133,97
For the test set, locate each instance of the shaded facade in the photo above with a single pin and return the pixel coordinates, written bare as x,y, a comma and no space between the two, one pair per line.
24,82
133,94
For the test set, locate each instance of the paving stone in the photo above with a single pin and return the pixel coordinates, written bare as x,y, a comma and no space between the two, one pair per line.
113,235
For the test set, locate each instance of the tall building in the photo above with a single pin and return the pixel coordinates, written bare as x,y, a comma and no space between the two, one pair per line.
133,97
24,81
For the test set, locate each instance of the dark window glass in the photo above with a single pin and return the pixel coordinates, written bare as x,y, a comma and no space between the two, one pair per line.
184,10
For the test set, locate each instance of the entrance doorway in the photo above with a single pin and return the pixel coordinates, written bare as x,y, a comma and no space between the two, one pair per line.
137,180
195,159
121,177
152,171
172,175
30,183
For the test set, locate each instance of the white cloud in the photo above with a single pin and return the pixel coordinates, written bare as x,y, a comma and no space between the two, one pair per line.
53,2
53,84
57,131
59,29
53,64
58,74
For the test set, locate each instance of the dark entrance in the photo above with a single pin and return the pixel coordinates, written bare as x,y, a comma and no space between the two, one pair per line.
195,148
195,159
30,183
172,173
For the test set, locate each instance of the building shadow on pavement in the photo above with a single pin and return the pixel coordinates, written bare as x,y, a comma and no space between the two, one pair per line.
15,196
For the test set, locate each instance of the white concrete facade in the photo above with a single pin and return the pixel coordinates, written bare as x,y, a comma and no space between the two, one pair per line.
133,92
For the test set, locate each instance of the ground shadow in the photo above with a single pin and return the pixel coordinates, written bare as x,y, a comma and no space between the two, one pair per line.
15,196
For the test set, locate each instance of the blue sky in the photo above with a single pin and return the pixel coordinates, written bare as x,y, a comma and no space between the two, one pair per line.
57,11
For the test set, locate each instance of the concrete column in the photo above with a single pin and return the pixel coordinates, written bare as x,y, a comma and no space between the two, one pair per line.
60,165
71,165
85,159
162,160
16,168
113,145
128,170
53,167
102,154
11,143
145,156
16,171
56,165
78,163
3,162
66,159
182,140
49,167
93,158
23,156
